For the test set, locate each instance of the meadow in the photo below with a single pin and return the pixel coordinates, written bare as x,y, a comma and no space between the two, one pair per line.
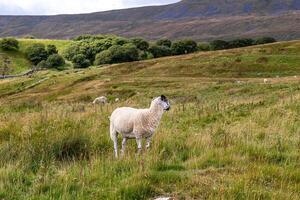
227,136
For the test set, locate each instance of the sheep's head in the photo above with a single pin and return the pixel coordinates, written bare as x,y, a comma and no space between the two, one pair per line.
163,102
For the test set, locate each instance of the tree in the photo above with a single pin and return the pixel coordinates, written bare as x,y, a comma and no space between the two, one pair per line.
104,57
5,65
36,53
51,49
265,40
184,47
9,44
164,42
160,51
140,43
241,43
117,54
203,47
219,45
55,61
131,52
80,61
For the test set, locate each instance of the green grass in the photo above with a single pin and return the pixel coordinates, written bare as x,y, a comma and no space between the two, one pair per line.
220,140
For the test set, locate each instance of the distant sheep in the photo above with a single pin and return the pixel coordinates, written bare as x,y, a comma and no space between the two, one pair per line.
117,100
266,81
100,100
137,123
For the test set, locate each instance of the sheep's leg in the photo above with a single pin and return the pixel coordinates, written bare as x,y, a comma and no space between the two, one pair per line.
139,144
114,137
123,146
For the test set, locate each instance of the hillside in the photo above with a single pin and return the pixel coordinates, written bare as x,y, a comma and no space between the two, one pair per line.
18,61
222,139
204,20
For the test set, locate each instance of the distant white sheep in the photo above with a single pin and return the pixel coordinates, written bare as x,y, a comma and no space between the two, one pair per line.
117,100
100,100
136,124
266,81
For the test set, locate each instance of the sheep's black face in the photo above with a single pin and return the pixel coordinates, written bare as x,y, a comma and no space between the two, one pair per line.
165,103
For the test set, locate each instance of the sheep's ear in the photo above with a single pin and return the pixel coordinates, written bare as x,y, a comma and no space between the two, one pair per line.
163,97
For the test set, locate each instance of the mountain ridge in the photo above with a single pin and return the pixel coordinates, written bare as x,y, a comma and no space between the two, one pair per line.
150,21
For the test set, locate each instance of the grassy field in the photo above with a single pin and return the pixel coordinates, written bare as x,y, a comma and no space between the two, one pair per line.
222,139
19,63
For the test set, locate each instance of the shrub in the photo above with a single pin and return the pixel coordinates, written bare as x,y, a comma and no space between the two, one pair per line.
80,61
160,51
117,54
219,45
131,52
51,49
265,40
89,46
144,55
36,53
164,42
241,43
9,44
140,43
184,47
104,57
203,47
55,60
43,64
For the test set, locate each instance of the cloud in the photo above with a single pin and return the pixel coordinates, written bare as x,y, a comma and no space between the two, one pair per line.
48,7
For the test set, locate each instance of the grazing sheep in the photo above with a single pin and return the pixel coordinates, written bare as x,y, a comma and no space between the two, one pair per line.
117,100
266,81
100,100
137,123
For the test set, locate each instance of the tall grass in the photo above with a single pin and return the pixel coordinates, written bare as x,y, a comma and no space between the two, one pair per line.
220,140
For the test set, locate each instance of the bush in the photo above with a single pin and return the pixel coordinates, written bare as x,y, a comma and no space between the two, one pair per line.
117,54
80,61
55,60
89,46
9,44
36,53
164,42
241,43
104,57
160,51
131,52
219,45
265,40
43,64
140,43
203,47
184,47
51,49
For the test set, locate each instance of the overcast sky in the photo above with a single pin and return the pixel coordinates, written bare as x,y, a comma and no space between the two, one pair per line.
50,7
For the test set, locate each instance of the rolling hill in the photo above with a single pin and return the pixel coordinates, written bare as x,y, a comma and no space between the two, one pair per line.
201,20
227,136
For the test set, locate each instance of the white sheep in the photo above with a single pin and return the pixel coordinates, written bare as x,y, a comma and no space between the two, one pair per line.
100,100
117,100
266,81
137,123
